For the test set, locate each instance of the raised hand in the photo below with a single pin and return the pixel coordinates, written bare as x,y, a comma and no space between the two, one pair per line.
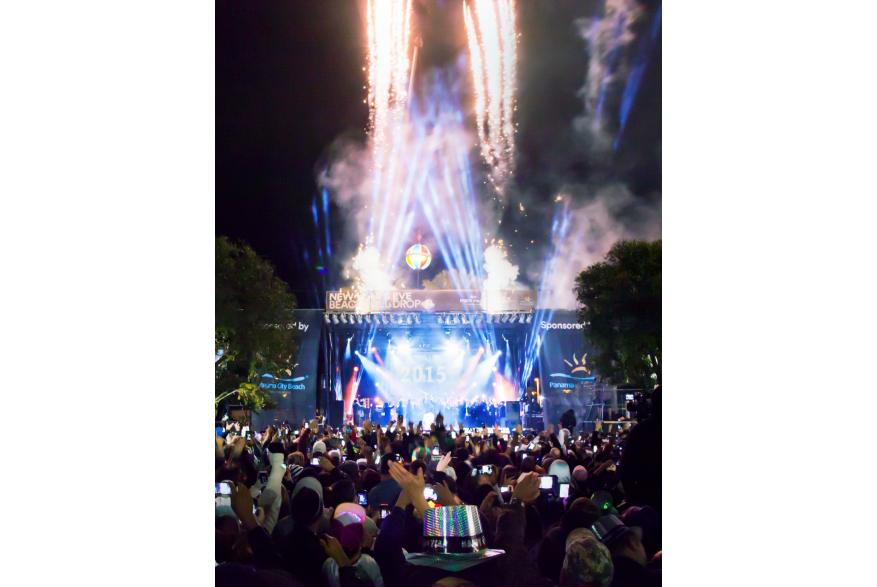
410,484
443,463
527,490
445,496
242,505
333,549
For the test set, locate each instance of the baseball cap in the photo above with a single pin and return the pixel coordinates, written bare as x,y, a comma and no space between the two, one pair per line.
588,562
609,529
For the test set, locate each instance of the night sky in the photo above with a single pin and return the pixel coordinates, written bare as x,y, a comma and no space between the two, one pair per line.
290,81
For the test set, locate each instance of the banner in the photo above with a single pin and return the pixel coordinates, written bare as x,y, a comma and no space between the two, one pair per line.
562,356
426,300
566,380
296,392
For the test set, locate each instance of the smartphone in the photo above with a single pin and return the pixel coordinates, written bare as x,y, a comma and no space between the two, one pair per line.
546,482
564,490
430,494
343,444
315,461
263,477
435,450
223,494
486,469
506,493
531,446
362,498
385,510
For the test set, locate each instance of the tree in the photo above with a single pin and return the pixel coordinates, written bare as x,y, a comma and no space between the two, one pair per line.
620,307
253,307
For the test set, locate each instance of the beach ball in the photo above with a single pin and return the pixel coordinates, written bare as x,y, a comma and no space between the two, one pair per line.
418,257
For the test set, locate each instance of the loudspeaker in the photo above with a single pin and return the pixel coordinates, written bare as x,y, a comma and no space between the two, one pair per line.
336,413
512,414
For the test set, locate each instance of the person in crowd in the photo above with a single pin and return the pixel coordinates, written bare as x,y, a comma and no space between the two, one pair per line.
387,490
568,419
629,557
294,522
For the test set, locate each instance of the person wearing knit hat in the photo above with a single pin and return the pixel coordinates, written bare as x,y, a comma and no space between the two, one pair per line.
300,550
587,564
350,469
348,529
561,470
362,464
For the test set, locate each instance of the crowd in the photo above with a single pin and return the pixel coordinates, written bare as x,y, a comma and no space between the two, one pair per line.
413,506
470,412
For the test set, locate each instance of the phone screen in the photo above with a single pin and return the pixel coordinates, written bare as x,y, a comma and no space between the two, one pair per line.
362,498
315,461
385,510
546,482
263,477
435,451
486,469
564,490
430,494
223,488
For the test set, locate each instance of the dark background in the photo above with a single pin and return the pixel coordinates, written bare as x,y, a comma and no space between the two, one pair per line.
290,80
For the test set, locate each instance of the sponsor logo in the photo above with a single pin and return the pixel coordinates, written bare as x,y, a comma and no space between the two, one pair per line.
561,326
428,304
577,367
294,383
527,301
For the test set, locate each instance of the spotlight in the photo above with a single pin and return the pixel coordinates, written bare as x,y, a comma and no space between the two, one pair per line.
513,318
335,318
529,318
384,319
441,320
374,349
355,369
504,319
478,318
368,319
410,319
326,317
417,318
343,318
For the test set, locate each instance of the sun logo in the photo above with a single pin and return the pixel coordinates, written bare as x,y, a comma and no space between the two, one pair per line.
527,299
578,366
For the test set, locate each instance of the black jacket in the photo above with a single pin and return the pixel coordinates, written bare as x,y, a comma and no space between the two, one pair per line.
627,572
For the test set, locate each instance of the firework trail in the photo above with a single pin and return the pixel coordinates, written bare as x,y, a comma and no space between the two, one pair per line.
490,30
388,32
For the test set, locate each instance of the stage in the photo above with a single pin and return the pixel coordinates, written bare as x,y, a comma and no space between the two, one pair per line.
462,354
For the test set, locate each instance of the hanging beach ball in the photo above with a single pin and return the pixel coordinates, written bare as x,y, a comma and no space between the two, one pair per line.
418,257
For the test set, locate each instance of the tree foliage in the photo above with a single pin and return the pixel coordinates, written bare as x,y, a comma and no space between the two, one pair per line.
252,306
620,306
